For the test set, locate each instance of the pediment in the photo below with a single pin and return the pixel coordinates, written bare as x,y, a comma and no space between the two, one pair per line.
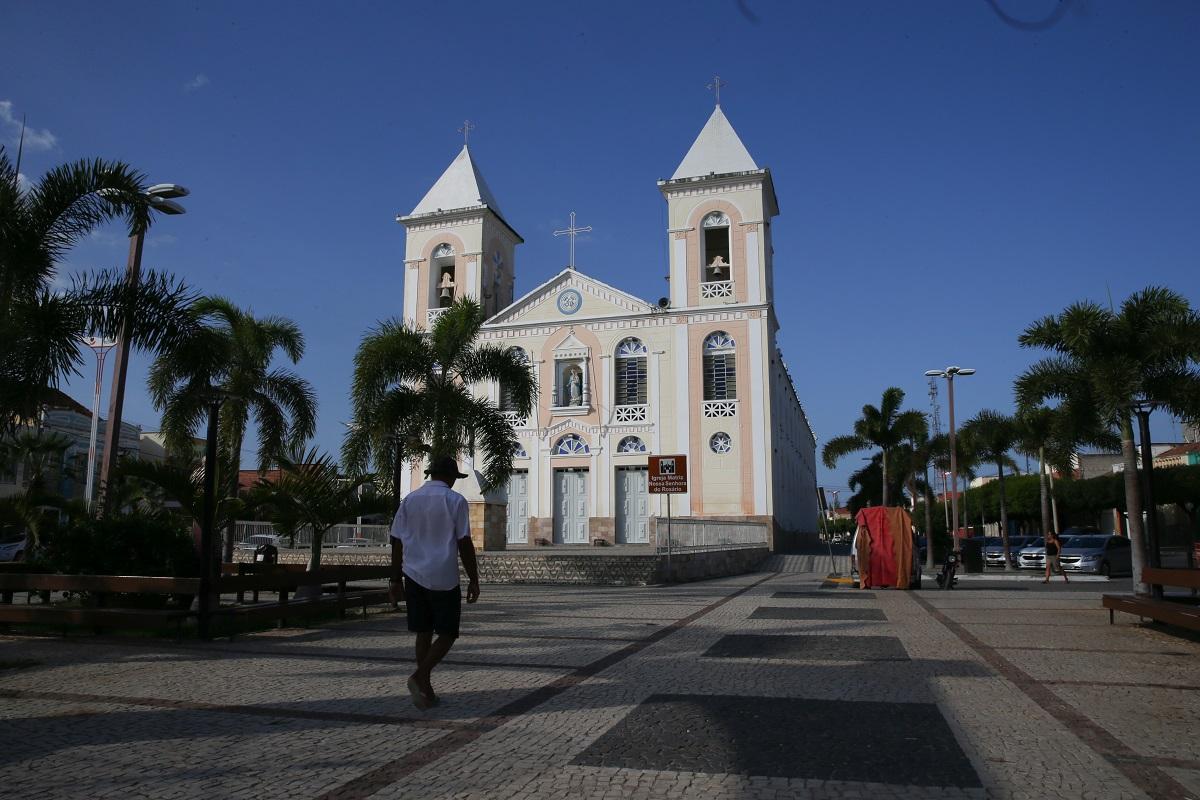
570,296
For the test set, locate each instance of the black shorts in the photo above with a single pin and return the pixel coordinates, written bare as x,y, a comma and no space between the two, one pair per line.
430,610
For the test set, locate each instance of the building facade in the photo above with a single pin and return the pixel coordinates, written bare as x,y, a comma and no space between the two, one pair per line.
619,378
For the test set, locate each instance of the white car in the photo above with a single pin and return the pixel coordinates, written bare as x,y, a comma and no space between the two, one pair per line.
13,546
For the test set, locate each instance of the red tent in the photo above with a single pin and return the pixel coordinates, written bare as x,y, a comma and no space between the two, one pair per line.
883,546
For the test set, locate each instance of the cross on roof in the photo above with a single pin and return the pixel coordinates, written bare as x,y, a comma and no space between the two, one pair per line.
715,87
571,232
466,129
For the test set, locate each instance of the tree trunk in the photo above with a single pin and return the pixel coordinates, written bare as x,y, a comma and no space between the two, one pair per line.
883,463
398,473
314,558
1133,506
235,466
1004,517
1043,494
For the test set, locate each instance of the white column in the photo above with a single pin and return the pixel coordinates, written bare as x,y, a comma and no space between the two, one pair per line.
472,287
754,269
761,445
678,272
411,285
681,504
587,385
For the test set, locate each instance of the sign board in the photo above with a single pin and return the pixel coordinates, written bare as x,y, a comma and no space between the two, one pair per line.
668,474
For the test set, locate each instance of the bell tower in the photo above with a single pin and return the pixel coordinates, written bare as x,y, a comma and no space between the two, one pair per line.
457,245
719,208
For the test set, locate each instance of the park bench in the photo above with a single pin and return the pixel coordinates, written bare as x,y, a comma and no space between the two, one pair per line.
338,594
1182,612
98,614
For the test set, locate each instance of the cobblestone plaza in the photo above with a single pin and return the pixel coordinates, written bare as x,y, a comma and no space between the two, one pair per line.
760,686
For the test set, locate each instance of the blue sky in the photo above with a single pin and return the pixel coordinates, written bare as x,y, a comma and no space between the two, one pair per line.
945,176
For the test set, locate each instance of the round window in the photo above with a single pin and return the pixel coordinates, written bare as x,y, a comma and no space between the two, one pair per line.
720,442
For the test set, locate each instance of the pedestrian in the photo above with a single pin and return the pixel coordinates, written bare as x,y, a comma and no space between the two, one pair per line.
1053,547
430,533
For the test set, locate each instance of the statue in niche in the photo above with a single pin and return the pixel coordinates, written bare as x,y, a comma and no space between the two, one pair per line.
574,388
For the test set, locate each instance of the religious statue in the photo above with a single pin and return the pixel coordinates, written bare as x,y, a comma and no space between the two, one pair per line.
574,389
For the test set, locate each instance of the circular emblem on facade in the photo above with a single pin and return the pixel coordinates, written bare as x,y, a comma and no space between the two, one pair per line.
569,301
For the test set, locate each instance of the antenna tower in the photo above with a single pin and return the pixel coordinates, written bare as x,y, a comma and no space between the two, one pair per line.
935,409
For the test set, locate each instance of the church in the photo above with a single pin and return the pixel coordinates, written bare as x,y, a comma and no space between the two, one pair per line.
699,373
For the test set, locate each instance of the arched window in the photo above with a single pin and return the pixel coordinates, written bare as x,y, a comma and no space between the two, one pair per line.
715,238
631,373
441,275
720,368
571,445
631,444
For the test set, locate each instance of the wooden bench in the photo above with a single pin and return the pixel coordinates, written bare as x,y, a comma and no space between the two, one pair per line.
97,615
1170,611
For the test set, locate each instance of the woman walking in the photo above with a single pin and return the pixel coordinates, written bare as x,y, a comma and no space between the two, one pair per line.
1053,546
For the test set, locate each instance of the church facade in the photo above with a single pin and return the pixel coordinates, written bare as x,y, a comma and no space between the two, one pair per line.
620,378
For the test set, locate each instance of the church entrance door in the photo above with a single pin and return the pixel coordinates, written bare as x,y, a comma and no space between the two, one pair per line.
570,506
518,507
633,505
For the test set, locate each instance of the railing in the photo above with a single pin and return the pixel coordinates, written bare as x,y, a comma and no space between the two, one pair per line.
631,413
432,314
515,419
695,534
710,290
349,535
719,408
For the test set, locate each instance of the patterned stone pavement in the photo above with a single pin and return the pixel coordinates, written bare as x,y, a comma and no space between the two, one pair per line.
760,686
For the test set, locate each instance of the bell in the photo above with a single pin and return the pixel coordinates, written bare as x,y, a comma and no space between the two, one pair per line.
446,293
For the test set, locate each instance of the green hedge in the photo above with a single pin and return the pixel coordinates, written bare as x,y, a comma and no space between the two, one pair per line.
131,544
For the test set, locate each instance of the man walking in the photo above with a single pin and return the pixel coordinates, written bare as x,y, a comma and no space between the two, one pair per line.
430,533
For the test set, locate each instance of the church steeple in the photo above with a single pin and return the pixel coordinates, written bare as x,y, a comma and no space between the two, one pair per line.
718,149
720,203
458,245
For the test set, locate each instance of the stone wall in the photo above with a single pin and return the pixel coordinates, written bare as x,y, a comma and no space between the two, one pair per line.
590,569
488,521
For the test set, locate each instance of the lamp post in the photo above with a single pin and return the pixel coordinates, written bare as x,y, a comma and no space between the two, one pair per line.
948,373
100,346
161,197
1143,408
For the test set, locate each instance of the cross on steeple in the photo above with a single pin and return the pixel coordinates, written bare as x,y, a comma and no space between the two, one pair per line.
571,232
715,87
466,129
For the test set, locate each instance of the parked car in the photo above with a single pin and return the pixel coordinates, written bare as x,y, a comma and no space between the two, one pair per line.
13,545
1101,554
258,539
353,541
993,550
1032,555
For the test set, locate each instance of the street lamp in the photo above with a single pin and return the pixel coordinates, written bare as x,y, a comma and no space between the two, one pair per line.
161,197
948,373
101,347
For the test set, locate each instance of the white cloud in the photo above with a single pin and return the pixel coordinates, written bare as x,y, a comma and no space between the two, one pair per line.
106,238
23,183
160,239
10,131
198,82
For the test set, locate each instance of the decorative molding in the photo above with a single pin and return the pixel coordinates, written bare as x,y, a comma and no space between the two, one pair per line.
626,414
719,408
710,290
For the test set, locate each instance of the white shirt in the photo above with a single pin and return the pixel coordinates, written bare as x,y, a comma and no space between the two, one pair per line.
429,523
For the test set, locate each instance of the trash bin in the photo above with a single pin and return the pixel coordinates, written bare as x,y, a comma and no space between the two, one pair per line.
266,554
972,555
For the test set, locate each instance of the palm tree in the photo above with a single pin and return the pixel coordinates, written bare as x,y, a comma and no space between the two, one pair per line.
413,393
1051,435
1106,362
992,435
915,456
41,321
311,492
884,427
230,353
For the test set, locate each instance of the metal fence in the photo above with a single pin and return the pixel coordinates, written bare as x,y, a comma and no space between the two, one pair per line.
350,535
693,534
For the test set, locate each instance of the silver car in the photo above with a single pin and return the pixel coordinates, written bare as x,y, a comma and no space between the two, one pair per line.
1104,555
1033,555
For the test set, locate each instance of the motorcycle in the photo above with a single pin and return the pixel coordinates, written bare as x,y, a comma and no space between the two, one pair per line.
946,578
